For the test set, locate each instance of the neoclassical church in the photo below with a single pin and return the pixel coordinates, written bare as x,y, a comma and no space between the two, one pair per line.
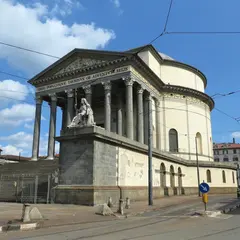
126,91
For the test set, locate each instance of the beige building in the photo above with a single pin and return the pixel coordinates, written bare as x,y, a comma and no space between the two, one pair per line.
227,152
125,90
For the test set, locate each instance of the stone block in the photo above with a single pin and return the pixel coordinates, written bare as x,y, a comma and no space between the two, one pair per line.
104,210
35,214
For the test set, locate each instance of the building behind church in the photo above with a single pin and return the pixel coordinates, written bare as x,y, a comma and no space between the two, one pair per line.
227,152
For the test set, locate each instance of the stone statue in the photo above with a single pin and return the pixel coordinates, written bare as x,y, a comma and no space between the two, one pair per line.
84,116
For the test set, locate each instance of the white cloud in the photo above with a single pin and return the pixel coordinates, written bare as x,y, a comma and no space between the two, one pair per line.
20,139
43,33
236,134
28,126
17,115
11,150
12,91
116,3
65,7
22,142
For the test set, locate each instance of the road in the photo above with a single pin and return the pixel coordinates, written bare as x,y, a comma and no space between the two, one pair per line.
168,224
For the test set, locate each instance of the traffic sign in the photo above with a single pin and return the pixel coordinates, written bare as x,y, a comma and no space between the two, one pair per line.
204,188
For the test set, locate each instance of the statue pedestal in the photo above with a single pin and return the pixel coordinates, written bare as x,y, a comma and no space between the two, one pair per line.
87,166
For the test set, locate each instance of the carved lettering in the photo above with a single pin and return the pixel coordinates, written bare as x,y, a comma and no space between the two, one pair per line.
84,79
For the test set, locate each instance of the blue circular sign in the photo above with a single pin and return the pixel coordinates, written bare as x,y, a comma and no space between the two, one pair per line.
204,188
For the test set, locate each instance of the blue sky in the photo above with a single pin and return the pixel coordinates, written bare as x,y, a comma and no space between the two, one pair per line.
57,26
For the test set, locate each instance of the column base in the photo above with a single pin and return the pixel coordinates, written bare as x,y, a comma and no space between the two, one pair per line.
34,159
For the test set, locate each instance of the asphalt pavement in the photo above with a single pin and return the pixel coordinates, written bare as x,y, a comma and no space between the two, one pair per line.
168,224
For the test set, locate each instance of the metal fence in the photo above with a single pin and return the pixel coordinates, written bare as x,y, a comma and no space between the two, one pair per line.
27,188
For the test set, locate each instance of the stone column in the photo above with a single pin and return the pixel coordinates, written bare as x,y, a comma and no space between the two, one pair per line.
107,107
158,124
70,106
37,127
140,114
88,93
129,106
52,127
119,115
64,117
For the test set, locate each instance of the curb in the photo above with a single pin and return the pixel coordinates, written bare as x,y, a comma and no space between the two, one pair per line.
230,209
17,227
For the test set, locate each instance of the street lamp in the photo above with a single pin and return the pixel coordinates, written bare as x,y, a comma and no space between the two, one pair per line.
198,177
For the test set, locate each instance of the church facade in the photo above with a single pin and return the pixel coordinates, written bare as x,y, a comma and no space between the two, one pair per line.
126,90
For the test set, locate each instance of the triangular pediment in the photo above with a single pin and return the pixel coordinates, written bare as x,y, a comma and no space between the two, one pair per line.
80,63
79,59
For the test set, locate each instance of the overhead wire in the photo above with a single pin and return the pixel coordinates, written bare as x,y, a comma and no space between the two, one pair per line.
29,50
162,32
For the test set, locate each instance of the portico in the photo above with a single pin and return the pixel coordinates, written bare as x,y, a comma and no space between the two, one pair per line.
120,98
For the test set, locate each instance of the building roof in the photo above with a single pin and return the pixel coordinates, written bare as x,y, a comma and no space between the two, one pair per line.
166,57
15,158
226,146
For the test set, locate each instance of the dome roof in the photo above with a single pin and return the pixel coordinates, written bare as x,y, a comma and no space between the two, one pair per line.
165,57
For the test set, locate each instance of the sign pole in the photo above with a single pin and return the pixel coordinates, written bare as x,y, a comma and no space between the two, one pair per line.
198,177
150,195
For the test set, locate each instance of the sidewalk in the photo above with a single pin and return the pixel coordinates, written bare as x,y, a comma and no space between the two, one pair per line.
58,214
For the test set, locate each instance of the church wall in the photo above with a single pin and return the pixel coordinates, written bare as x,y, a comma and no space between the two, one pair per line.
133,171
151,61
188,116
181,77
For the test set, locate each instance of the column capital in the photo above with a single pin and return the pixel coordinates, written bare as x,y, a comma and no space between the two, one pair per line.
70,93
53,97
157,101
149,96
128,80
107,85
87,89
140,89
38,100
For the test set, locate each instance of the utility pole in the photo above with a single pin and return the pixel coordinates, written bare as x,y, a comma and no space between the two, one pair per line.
198,177
150,197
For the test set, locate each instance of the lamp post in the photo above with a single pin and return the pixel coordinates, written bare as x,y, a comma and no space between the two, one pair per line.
198,177
238,180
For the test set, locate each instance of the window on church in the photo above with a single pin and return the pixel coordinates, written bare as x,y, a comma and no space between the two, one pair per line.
209,178
223,176
199,143
173,140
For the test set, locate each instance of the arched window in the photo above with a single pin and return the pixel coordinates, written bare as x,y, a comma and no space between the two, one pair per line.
172,177
223,176
233,177
209,178
173,140
199,143
163,175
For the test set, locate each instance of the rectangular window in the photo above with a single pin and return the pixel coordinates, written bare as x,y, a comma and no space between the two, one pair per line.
234,151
